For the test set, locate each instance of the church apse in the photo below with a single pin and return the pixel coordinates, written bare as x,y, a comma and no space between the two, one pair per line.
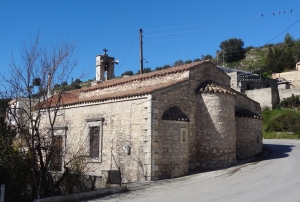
216,137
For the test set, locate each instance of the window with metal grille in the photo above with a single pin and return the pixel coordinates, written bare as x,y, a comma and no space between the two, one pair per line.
57,153
94,141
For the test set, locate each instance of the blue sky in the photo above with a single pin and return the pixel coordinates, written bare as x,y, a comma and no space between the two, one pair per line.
173,29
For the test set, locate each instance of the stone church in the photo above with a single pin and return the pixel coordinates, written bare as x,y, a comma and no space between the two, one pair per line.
159,124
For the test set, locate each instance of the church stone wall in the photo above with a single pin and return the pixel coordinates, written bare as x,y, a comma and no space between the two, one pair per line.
198,76
178,95
175,161
184,96
244,102
209,71
126,122
248,137
216,135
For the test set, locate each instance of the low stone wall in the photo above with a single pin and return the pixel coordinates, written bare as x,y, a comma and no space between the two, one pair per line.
248,137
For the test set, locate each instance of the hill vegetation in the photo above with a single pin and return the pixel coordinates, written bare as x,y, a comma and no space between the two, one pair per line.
269,58
283,122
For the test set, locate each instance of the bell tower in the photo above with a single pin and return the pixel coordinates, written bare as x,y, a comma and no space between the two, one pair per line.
104,67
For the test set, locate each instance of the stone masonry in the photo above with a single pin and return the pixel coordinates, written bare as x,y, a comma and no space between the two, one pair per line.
171,120
248,137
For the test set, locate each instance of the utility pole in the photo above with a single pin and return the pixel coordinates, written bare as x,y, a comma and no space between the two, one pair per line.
141,51
223,57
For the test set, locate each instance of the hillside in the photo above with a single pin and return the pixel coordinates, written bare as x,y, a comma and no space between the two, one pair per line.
254,58
270,58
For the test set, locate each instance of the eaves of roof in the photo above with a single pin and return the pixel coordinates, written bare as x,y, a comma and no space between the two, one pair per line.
211,87
72,97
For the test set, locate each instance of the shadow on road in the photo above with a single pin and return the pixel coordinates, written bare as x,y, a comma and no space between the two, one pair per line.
270,151
277,151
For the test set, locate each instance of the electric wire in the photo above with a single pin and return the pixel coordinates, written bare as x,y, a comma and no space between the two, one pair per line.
181,38
283,31
218,33
189,31
213,22
123,48
205,23
122,62
172,33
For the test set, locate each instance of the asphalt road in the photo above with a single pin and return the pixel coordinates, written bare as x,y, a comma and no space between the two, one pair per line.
275,178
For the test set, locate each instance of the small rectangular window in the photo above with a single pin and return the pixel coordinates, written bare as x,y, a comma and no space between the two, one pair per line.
94,141
57,153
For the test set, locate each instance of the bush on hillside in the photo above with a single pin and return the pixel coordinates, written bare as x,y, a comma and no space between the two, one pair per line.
290,103
281,120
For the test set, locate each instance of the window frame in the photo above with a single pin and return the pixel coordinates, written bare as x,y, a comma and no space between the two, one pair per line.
95,122
94,141
62,132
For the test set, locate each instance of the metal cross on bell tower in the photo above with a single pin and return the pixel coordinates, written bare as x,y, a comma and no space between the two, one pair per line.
105,50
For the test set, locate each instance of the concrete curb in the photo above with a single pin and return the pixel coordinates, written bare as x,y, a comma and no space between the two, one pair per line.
84,195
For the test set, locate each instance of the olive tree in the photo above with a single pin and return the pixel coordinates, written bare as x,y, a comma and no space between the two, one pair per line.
232,50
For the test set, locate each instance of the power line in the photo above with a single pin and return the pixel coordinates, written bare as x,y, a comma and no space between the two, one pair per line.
213,22
135,38
283,31
163,28
124,47
181,38
172,33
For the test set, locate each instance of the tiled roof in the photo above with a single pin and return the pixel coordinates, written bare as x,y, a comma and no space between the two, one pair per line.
140,77
174,114
246,113
212,87
72,97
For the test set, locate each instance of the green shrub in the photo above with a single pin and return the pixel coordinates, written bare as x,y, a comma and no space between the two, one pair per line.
290,103
280,135
281,120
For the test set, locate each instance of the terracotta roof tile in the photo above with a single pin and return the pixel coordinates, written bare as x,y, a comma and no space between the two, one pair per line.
72,97
212,87
120,81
